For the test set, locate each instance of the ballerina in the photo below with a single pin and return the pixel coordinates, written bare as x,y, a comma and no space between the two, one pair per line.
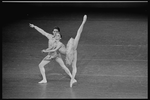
70,50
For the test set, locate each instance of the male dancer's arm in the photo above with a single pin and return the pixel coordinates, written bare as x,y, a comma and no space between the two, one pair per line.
47,50
41,31
53,50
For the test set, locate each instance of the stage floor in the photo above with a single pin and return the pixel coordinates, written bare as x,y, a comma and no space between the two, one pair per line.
112,59
97,78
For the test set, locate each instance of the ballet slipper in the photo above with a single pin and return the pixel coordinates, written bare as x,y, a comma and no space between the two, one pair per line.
43,81
84,18
72,82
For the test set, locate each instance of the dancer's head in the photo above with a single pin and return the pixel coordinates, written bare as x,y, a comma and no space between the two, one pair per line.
56,33
56,29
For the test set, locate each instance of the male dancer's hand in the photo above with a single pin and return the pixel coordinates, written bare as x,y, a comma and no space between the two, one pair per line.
31,25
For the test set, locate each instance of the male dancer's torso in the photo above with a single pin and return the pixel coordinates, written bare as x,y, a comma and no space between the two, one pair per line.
51,41
51,44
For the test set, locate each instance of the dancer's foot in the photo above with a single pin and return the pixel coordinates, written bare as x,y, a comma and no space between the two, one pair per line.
84,18
72,82
43,81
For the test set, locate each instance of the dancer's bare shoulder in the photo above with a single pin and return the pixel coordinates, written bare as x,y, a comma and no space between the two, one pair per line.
49,36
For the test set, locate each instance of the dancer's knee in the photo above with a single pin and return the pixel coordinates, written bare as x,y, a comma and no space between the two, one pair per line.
41,65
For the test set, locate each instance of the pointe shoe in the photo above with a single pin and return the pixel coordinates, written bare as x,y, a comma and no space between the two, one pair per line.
43,81
72,82
85,18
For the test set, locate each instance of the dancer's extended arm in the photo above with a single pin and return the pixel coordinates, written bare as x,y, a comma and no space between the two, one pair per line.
53,50
41,31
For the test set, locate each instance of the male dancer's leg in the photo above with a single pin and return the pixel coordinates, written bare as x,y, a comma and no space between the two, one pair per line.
61,63
42,70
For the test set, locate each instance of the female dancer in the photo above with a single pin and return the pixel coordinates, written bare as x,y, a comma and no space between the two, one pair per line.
51,45
70,50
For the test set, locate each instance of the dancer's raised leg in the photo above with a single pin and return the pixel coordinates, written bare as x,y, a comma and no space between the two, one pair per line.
76,40
61,63
42,70
73,43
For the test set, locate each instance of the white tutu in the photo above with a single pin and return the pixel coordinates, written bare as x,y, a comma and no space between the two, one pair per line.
70,51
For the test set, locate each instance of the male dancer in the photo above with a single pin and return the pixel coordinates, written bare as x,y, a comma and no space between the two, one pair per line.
51,45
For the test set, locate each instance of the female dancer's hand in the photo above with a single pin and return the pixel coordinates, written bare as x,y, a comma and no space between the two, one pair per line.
43,51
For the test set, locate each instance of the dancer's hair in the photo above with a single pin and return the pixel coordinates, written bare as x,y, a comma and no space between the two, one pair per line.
56,27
